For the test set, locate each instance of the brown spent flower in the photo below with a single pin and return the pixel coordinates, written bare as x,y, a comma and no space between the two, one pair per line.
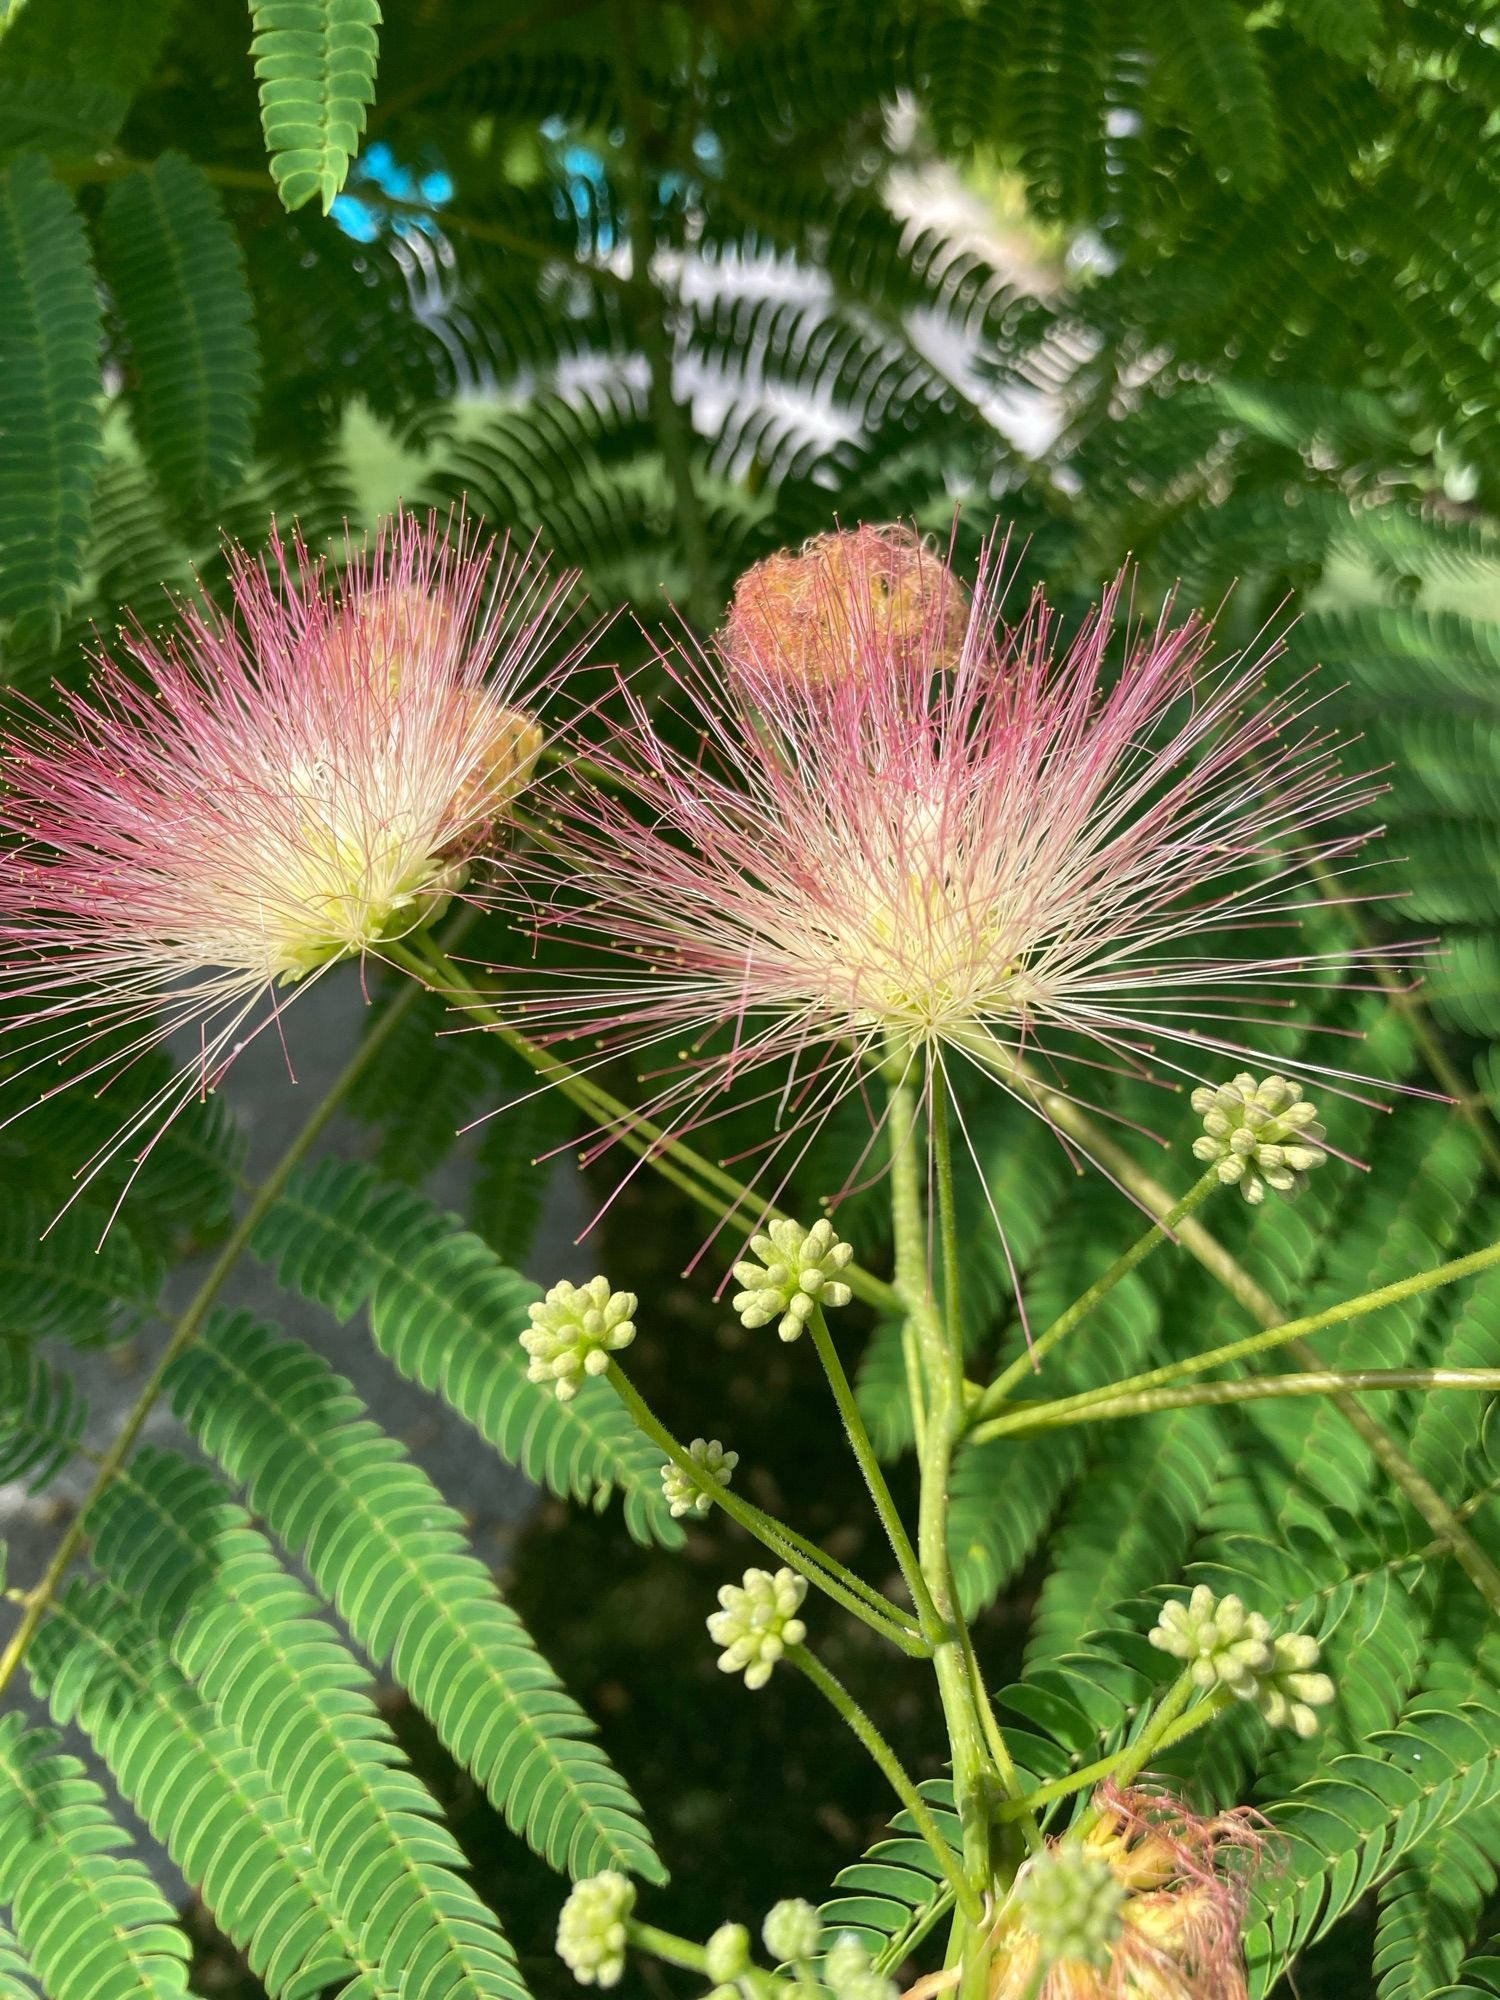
1181,1920
822,608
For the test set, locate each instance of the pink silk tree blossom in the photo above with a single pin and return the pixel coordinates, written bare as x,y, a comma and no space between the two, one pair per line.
883,829
233,809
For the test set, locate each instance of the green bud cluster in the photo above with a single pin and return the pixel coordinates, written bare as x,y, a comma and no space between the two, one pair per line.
792,1931
1224,1645
573,1332
795,1272
1073,1904
1262,1134
757,1621
683,1494
591,1928
849,1975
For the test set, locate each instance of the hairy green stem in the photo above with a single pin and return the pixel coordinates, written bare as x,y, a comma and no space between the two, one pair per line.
1286,1332
1139,1251
185,1330
1481,1571
667,1946
709,1185
1320,1382
900,1781
820,1568
874,1477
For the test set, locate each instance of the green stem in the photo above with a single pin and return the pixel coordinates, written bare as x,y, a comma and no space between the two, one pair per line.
698,1177
667,1946
1139,1251
1109,1767
1481,1571
185,1331
943,1372
1280,1335
942,1155
820,1568
1322,1382
874,1477
900,1782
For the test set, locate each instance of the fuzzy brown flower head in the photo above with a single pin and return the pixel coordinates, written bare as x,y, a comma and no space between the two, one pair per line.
819,613
1179,1884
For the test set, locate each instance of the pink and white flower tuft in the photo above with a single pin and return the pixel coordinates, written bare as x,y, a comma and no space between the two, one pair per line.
898,831
261,795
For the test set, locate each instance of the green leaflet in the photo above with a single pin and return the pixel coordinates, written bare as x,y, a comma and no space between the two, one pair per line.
174,267
198,1787
92,1923
41,1415
315,66
387,1550
891,1896
449,1315
50,335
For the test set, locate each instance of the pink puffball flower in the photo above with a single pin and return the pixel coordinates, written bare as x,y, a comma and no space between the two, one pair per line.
258,796
884,830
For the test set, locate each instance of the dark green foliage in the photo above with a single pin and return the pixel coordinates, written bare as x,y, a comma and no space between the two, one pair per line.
49,392
92,1923
449,1315
1257,331
383,1547
174,268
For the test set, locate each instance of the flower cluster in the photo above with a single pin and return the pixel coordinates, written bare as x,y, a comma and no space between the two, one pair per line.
757,1621
573,1332
304,778
790,1273
1261,1134
1224,1645
683,1494
863,840
1150,1903
591,1933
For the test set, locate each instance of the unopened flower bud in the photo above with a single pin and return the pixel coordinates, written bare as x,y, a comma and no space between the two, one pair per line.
792,1931
591,1928
1072,1902
795,1273
848,1974
1290,1693
573,1332
1217,1638
757,1622
683,1494
829,610
1261,1134
727,1953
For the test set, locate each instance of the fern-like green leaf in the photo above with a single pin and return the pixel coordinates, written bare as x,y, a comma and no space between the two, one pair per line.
1219,86
892,1896
50,391
17,1981
315,65
384,1546
174,268
62,1276
89,1918
449,1314
41,1415
197,1787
